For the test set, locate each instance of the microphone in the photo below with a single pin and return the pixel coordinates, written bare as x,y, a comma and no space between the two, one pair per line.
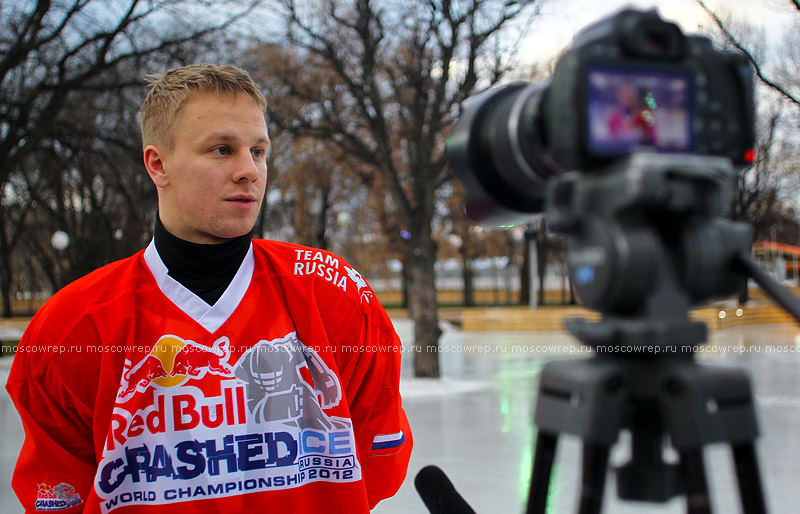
438,494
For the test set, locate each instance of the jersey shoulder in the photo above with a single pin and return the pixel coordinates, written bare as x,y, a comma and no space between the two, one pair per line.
99,289
70,319
303,266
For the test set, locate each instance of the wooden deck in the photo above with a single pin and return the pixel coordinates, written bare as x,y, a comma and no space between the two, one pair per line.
551,319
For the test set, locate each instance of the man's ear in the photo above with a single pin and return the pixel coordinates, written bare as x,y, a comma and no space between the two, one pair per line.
154,162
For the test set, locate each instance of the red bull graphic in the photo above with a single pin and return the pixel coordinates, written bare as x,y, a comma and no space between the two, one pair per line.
194,360
172,361
140,376
59,497
252,425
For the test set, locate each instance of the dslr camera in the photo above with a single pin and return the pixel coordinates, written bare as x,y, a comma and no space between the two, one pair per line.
630,83
631,148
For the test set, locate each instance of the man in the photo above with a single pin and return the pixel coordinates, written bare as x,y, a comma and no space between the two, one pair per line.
633,123
210,372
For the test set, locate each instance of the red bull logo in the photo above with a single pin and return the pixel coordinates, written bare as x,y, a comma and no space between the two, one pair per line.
173,361
194,360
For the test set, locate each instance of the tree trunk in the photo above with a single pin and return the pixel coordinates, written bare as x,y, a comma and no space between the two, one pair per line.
404,278
467,274
542,244
525,273
5,268
320,222
573,300
5,283
422,307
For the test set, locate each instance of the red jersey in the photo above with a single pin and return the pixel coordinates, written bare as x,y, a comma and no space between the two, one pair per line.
137,396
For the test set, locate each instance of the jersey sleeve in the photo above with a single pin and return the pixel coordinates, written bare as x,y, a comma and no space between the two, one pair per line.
56,465
329,300
383,435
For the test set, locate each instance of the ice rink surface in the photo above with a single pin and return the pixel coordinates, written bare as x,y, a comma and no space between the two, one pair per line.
476,422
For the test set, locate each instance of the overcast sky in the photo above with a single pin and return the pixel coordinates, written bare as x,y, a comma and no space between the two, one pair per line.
561,19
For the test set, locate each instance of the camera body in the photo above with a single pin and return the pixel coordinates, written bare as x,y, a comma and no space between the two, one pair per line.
629,83
686,96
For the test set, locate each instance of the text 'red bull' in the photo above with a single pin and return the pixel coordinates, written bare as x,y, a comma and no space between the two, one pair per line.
179,412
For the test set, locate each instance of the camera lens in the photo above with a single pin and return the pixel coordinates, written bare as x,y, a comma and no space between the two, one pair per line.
497,152
511,138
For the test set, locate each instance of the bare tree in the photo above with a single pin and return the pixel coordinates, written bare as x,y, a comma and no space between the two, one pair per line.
313,184
760,67
396,73
51,51
458,237
764,188
86,179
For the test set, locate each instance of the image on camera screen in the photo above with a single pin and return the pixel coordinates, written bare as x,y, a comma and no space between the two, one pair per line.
633,109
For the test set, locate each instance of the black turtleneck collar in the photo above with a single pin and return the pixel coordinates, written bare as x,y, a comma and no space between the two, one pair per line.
204,269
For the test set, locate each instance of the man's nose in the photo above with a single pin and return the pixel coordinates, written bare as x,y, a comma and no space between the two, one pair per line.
247,167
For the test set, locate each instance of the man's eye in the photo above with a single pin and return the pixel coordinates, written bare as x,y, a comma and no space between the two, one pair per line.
221,150
258,153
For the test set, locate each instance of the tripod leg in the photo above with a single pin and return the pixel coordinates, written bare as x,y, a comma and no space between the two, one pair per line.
543,458
595,463
749,477
694,476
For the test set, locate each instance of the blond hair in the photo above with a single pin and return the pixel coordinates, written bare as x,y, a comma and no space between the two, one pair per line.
171,90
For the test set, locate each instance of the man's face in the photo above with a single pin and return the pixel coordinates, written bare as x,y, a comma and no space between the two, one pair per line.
627,96
211,182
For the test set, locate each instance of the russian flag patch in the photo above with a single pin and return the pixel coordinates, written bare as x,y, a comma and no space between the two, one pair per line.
387,444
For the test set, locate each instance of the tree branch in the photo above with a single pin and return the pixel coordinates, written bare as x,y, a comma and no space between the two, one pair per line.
756,66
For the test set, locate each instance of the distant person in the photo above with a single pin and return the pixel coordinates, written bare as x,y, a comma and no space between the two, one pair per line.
633,122
210,372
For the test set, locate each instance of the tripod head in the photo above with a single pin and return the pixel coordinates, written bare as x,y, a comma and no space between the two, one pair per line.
648,238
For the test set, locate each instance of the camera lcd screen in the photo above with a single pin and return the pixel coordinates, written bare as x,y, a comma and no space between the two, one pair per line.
632,109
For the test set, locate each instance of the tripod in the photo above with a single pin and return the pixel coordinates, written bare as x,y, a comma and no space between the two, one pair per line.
672,395
654,396
648,239
657,257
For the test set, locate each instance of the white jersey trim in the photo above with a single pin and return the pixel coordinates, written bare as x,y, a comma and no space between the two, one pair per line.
210,317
